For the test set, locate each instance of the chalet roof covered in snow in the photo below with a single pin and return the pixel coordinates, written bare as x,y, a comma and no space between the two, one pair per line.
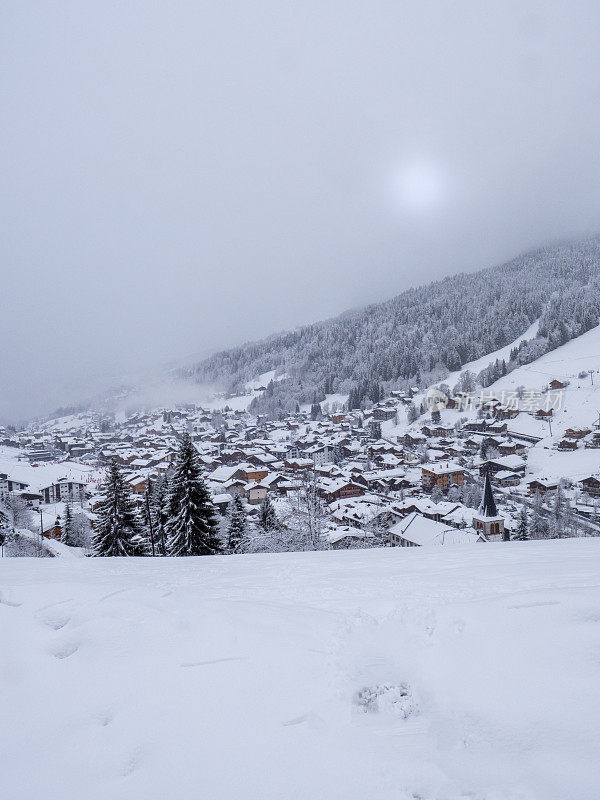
443,468
422,531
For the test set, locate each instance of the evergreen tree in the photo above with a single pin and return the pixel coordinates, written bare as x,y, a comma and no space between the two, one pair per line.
236,529
68,531
192,524
117,529
424,331
148,518
522,533
412,414
267,518
159,510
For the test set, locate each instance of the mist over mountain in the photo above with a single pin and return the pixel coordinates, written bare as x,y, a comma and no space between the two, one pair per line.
422,333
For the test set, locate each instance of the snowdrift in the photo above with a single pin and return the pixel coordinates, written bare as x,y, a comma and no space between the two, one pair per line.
395,673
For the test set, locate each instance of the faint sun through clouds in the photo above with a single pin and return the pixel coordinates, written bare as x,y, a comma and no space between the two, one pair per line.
418,186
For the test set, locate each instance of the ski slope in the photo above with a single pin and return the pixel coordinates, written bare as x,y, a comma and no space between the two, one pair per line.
577,407
564,363
579,404
240,676
392,430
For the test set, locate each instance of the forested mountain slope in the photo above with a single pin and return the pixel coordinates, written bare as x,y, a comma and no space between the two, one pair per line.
423,332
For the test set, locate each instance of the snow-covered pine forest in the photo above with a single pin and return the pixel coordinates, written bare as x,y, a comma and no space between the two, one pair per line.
423,333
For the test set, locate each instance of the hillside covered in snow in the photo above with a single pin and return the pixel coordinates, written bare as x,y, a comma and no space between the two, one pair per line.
422,333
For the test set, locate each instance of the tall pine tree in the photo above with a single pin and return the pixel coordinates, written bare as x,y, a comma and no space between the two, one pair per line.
236,528
267,518
522,532
118,530
68,530
192,524
159,511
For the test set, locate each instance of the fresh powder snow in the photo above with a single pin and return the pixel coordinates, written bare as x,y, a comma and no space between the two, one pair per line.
380,673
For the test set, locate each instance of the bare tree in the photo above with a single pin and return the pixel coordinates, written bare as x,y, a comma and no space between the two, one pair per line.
18,512
301,522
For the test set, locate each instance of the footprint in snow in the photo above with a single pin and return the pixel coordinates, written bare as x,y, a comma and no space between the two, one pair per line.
65,650
589,615
56,621
104,718
131,766
5,602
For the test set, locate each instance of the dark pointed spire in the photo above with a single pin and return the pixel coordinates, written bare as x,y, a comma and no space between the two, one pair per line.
488,504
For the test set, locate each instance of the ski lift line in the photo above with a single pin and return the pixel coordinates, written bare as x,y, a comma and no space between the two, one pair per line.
549,374
561,360
554,375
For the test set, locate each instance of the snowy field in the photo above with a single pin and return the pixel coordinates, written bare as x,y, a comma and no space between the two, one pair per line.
460,673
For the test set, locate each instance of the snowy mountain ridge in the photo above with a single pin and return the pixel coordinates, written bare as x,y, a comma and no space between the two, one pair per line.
514,312
422,334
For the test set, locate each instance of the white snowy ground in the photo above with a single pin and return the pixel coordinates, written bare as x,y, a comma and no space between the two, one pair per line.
236,677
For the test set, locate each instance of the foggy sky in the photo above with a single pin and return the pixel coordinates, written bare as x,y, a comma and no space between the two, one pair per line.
178,177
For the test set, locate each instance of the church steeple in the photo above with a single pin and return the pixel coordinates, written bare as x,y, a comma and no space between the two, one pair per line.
487,520
488,504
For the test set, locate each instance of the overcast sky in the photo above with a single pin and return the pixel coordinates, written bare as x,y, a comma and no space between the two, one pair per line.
178,177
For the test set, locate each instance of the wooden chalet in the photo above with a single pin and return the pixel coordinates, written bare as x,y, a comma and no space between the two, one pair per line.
340,489
567,445
442,475
511,463
298,464
591,485
576,433
384,414
541,486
